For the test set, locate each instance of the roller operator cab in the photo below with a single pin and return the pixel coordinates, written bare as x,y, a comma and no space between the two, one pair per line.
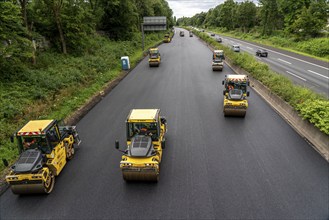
235,95
217,60
141,159
44,149
154,57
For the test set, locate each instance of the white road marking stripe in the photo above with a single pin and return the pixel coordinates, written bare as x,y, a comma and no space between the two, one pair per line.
286,55
250,48
283,61
318,74
296,76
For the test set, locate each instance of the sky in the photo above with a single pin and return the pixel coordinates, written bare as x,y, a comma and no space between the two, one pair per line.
189,8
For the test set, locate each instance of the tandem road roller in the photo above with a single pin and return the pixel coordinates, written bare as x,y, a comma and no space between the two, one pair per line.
235,93
44,149
154,57
146,131
217,60
167,38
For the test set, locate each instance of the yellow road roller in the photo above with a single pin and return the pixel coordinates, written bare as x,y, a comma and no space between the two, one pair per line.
44,149
154,57
235,93
167,38
217,60
141,159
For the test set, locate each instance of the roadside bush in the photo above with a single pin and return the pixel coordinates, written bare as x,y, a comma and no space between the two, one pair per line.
317,46
317,112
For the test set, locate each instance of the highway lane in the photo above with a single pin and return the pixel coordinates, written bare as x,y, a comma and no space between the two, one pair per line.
302,70
213,167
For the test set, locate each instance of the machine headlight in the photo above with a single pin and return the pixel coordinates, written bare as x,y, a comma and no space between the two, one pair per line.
13,178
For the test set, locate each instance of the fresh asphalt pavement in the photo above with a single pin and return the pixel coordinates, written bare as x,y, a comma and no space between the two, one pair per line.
213,167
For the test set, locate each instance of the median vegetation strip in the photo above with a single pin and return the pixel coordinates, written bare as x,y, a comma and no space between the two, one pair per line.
59,84
310,105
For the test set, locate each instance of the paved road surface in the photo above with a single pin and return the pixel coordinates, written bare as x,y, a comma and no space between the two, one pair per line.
213,167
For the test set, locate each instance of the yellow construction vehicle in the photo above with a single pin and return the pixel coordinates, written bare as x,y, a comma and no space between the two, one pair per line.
44,149
217,60
235,93
167,38
154,57
146,131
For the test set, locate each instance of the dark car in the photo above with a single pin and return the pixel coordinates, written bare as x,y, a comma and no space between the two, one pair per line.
181,33
212,34
261,53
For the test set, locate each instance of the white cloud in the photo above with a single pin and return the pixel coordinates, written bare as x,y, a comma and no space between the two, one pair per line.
189,8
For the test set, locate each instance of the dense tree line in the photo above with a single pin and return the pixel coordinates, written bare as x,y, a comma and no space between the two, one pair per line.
67,26
303,18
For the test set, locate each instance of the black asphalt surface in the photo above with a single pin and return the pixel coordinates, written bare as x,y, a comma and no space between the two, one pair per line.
213,167
303,70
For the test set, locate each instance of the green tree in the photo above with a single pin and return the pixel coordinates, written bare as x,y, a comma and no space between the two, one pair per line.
212,17
270,16
227,14
246,15
65,22
291,9
161,8
198,19
120,18
311,20
144,8
14,44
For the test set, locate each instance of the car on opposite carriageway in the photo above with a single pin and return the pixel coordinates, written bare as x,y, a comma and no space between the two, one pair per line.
261,53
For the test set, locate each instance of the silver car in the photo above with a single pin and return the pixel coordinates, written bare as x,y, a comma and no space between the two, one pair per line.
236,48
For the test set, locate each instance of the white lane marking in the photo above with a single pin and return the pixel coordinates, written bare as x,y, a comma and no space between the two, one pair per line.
318,74
296,76
259,58
285,55
250,48
283,61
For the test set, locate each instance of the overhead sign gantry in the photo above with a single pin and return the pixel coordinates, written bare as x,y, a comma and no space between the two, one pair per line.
155,23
